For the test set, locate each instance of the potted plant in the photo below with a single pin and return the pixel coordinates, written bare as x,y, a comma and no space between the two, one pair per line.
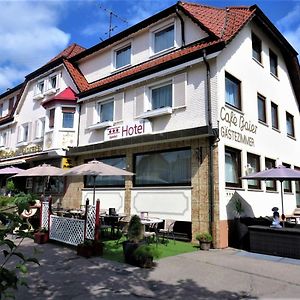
135,235
90,248
41,236
145,254
204,239
85,249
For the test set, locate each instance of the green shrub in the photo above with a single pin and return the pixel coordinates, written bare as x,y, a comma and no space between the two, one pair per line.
204,237
5,201
23,201
135,229
10,186
146,251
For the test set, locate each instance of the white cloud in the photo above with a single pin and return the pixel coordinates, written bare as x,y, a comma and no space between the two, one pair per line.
29,37
289,26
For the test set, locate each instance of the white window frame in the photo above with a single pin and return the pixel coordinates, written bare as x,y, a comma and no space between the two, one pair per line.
37,90
156,86
158,28
100,103
62,118
21,134
3,141
39,129
49,88
118,48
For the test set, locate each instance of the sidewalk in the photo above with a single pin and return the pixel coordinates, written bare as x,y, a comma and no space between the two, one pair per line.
214,274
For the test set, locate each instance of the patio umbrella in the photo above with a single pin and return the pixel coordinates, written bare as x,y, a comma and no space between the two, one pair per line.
96,168
10,170
280,173
43,170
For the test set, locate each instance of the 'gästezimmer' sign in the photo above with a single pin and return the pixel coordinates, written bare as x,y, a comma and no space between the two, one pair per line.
236,128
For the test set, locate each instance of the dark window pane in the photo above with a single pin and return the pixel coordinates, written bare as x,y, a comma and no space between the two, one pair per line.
287,184
162,96
273,63
274,114
232,91
123,57
164,39
253,163
256,47
232,167
261,103
270,184
163,168
290,125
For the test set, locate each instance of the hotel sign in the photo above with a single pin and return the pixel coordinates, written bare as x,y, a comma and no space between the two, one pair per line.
236,127
139,127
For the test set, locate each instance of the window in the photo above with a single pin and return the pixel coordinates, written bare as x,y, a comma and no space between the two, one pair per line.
106,111
161,96
232,167
55,185
287,184
164,39
261,103
273,63
274,115
10,105
270,184
256,48
253,162
23,133
232,91
39,128
123,57
51,117
163,168
40,87
297,184
119,162
68,117
52,82
3,139
290,125
1,110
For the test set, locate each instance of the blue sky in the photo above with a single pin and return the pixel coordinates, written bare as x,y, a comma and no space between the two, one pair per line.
32,32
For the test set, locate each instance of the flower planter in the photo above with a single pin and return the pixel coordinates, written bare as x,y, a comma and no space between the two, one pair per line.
85,250
204,245
41,237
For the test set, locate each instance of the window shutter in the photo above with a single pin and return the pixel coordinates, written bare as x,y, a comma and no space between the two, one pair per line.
90,106
118,107
139,100
29,131
179,90
68,110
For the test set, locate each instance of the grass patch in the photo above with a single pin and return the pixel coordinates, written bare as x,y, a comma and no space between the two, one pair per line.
114,250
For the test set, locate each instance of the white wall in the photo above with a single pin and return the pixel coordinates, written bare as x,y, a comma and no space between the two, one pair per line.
255,78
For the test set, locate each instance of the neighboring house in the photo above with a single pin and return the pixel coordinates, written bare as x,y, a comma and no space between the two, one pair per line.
190,100
46,120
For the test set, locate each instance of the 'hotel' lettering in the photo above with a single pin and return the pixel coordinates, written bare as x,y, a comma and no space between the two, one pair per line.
131,130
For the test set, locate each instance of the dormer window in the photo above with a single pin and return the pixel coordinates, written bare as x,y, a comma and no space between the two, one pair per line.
53,82
123,57
40,87
164,39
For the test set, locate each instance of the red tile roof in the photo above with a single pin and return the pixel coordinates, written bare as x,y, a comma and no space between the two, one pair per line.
67,95
221,25
69,52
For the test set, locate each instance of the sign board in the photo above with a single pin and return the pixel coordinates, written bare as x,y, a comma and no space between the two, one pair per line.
236,127
136,128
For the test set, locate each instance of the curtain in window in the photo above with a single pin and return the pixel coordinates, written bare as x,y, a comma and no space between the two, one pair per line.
123,57
164,168
164,39
231,168
231,93
162,96
106,111
119,162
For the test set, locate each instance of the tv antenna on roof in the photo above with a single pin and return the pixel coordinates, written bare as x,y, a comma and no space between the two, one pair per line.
111,15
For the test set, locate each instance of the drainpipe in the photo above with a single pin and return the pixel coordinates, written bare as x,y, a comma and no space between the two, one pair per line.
212,139
182,27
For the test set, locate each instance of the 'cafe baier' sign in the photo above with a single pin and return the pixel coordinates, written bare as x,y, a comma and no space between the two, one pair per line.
136,128
236,127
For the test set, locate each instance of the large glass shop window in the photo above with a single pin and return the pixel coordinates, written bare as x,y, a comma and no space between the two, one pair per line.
232,167
53,185
117,181
163,168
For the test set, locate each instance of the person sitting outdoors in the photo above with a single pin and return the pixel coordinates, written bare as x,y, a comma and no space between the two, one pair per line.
276,220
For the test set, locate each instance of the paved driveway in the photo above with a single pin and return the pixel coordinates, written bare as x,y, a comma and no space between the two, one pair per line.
214,274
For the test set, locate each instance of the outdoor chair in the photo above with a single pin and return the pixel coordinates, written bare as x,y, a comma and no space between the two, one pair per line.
151,233
168,230
105,228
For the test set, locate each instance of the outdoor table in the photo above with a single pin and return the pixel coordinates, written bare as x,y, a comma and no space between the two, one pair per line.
76,212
